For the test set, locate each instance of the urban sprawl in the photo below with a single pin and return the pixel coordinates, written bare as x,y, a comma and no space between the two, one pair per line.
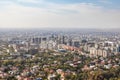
62,55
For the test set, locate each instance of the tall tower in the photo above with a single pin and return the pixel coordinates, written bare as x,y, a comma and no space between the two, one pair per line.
118,48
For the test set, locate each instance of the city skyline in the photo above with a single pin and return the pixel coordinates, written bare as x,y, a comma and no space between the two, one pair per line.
98,14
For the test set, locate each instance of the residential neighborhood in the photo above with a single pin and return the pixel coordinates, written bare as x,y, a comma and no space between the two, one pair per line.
60,57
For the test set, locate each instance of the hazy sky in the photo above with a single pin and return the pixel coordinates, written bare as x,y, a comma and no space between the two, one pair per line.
60,13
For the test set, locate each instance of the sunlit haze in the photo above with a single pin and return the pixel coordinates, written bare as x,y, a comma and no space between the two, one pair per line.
59,14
